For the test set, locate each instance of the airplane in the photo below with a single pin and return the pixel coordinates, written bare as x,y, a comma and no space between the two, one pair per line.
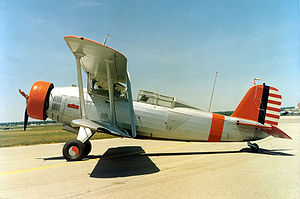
106,106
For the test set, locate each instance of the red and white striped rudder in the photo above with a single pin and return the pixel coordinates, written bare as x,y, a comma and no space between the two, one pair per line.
273,107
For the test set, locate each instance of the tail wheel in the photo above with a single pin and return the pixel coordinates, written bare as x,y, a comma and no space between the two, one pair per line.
254,147
87,147
74,150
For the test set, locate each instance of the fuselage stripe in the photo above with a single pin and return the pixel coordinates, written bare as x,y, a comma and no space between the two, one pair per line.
216,128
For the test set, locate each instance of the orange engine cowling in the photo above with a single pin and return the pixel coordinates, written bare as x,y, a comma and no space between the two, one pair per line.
38,100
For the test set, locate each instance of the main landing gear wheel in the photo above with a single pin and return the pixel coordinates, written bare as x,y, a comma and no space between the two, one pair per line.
253,146
74,150
87,147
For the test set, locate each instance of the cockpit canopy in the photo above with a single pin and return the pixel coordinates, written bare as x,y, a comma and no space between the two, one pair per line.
157,99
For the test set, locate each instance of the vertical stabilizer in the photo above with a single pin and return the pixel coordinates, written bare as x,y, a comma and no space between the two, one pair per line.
261,103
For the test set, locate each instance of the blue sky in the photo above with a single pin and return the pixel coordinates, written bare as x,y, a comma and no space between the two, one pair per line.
177,44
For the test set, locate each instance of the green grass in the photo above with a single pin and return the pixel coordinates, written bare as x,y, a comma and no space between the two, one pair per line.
40,135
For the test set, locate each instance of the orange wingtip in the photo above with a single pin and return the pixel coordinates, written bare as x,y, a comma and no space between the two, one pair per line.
83,38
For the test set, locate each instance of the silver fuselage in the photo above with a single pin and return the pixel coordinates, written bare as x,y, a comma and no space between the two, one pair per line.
151,121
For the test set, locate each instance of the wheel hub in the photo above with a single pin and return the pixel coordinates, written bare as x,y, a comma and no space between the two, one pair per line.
73,151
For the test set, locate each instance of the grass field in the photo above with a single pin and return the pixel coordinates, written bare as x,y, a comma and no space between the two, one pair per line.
39,135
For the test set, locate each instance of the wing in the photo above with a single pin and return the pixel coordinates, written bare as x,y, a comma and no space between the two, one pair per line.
85,123
107,68
93,56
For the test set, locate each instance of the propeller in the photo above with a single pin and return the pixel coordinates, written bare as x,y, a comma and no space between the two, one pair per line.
25,119
25,115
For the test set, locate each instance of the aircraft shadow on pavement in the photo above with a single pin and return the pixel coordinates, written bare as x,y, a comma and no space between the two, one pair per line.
123,162
138,151
244,150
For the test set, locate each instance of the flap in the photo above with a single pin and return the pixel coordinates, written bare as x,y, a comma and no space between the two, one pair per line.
92,59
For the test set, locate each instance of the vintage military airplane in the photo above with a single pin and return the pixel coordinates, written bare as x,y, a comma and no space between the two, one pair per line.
106,106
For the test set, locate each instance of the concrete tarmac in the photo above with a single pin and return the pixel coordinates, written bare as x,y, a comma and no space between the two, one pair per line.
128,168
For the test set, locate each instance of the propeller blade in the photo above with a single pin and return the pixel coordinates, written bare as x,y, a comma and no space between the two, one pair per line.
23,94
25,119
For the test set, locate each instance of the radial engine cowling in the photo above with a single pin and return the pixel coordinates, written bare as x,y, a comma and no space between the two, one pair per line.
38,100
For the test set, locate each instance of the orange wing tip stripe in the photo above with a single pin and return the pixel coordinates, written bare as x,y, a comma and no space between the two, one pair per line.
216,128
82,38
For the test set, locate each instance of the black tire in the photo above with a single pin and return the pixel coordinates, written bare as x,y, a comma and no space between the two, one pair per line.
74,150
87,147
254,148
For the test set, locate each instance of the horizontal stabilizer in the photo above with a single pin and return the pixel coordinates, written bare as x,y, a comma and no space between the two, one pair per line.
98,127
271,130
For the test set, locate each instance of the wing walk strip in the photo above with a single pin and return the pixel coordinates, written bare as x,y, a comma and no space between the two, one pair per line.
5,173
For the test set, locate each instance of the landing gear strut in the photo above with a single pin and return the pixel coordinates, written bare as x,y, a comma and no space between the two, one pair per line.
254,147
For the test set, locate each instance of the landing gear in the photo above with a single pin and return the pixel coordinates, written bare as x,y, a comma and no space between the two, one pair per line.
254,147
74,150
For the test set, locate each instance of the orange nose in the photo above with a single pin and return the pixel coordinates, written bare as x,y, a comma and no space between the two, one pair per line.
38,100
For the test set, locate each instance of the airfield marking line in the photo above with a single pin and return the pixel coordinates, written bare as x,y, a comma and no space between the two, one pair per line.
33,169
69,163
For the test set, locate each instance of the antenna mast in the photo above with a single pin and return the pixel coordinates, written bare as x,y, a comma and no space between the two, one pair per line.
212,93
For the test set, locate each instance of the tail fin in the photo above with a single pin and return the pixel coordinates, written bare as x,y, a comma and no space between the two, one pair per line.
261,104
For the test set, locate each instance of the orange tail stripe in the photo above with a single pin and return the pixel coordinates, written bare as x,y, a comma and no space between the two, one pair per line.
216,128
